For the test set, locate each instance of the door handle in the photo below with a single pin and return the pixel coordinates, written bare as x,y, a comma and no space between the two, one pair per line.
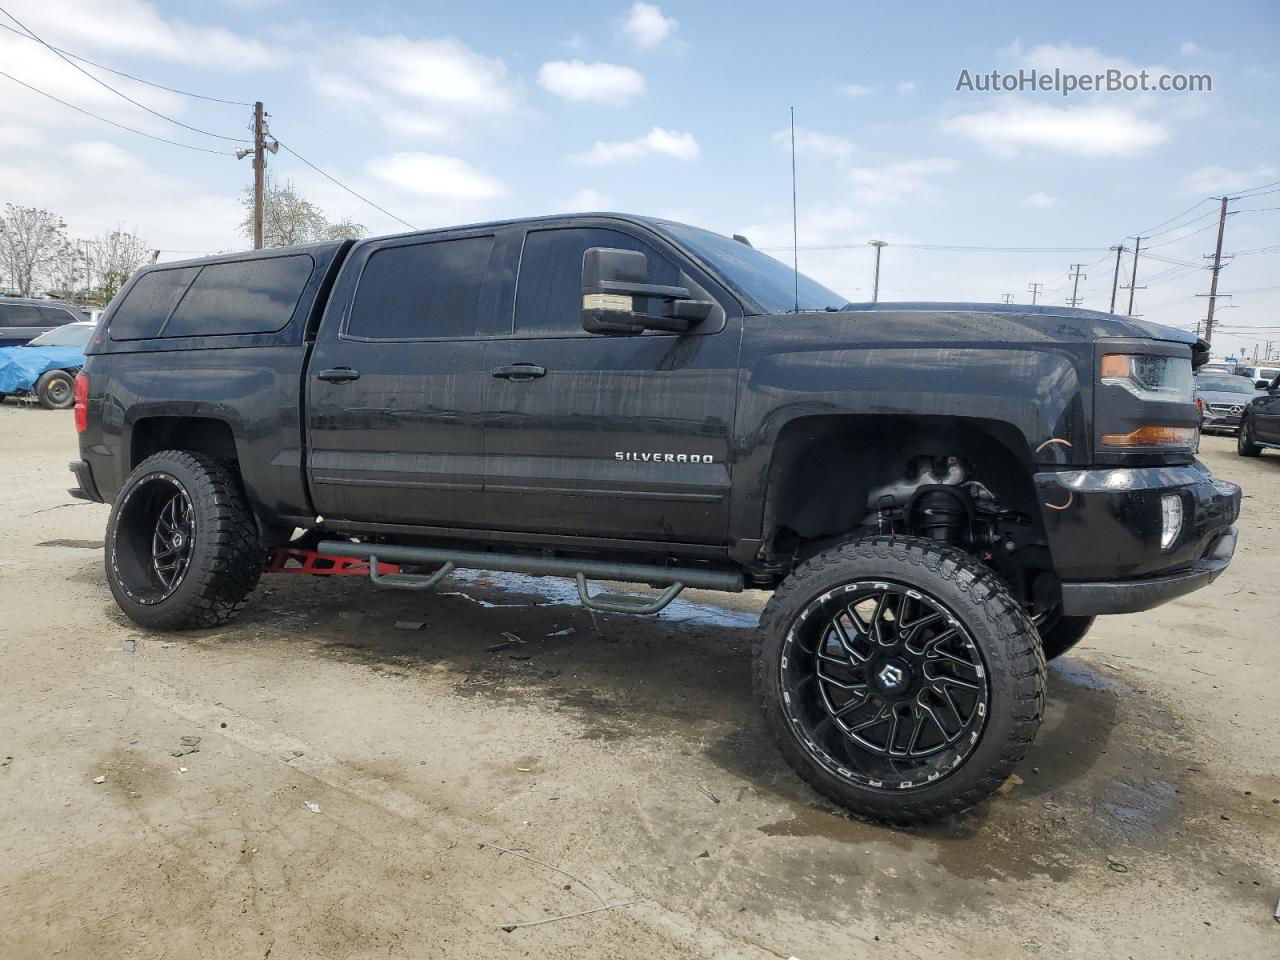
520,371
338,375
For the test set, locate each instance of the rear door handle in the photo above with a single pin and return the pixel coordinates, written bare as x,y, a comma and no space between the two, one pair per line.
338,375
520,371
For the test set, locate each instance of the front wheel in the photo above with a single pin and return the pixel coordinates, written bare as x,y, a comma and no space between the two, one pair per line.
899,677
182,543
1245,445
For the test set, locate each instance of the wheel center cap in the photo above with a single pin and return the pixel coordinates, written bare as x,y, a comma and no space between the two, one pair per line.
179,540
892,677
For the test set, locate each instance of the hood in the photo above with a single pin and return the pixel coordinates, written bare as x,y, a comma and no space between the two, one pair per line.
1224,396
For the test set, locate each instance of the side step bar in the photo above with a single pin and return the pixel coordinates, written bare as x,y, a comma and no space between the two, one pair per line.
673,579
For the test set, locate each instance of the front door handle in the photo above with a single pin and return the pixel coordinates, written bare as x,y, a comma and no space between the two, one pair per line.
520,371
338,375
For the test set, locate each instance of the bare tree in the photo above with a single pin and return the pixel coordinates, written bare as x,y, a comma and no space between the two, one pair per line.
115,255
288,218
32,242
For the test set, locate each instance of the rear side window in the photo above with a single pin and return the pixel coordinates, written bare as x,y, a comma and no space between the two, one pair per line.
149,302
421,291
248,296
56,316
20,315
549,290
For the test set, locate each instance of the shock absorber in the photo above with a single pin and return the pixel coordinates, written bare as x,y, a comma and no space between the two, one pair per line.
940,513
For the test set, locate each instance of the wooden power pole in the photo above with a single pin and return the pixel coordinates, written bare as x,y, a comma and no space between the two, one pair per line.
1217,266
1115,279
259,174
1133,280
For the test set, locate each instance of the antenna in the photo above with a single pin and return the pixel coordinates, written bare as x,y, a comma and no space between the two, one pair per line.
795,229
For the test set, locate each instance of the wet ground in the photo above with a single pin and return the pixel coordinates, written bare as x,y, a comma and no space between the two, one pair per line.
516,758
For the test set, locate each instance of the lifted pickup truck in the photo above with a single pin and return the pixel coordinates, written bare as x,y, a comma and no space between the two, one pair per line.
940,496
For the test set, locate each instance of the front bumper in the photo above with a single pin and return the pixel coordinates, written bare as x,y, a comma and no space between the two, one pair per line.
1132,596
1219,421
1104,528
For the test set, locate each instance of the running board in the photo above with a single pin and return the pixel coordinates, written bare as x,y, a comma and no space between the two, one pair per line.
673,579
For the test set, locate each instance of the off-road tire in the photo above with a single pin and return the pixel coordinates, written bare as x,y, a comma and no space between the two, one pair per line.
1000,628
226,556
1244,440
56,390
1060,633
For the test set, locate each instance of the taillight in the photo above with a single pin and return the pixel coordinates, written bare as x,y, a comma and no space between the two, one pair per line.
81,394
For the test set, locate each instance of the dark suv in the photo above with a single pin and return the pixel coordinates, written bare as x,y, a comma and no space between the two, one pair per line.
21,321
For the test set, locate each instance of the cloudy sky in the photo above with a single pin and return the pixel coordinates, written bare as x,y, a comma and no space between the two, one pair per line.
447,113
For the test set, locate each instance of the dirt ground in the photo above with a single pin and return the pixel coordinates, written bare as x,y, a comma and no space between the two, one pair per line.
465,780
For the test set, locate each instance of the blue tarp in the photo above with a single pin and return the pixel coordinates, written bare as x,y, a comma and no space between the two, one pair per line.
20,367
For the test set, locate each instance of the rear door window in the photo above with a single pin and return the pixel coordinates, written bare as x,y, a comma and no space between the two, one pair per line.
149,302
421,291
245,296
20,315
56,316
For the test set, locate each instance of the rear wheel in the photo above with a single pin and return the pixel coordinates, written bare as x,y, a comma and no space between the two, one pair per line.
182,543
899,677
55,390
1245,445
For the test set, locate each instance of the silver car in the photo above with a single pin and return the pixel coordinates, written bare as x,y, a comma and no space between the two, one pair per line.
1222,399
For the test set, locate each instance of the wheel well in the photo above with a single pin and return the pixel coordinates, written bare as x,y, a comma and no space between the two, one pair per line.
195,434
824,468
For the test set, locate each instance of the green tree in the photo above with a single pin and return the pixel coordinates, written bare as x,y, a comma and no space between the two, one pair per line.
288,218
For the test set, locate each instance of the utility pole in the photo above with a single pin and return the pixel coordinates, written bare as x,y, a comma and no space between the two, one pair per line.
88,272
1133,281
1115,279
1034,290
875,289
1076,276
259,154
1217,266
1007,297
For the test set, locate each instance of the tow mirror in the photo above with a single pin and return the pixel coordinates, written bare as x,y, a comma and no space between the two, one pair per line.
612,282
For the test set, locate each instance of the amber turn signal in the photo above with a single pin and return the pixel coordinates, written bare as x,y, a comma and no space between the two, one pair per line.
1152,437
1116,366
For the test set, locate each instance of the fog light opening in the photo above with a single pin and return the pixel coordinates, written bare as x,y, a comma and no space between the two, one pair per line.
1170,520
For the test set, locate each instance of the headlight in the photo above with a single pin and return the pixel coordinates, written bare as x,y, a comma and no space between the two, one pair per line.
1152,436
1149,377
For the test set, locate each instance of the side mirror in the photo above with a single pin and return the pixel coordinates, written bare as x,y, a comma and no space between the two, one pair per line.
612,281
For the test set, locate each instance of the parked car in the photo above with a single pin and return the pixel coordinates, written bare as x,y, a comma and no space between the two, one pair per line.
940,496
21,321
1215,366
1260,424
1222,399
46,367
1260,375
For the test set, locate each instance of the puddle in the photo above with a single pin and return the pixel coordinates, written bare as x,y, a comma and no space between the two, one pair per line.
1080,675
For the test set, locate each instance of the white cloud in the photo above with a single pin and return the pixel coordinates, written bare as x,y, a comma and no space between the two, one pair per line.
435,175
1039,200
668,143
136,27
1219,180
1092,129
1189,48
588,200
899,180
857,90
581,81
906,87
816,144
646,26
424,88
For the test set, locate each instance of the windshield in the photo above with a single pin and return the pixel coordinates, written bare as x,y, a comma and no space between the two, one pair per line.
70,335
756,275
1225,384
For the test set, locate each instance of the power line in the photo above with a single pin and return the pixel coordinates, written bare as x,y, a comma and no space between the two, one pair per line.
118,93
1147,232
88,113
335,180
127,76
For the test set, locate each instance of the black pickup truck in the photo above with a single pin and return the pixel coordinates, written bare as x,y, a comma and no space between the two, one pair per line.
940,496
